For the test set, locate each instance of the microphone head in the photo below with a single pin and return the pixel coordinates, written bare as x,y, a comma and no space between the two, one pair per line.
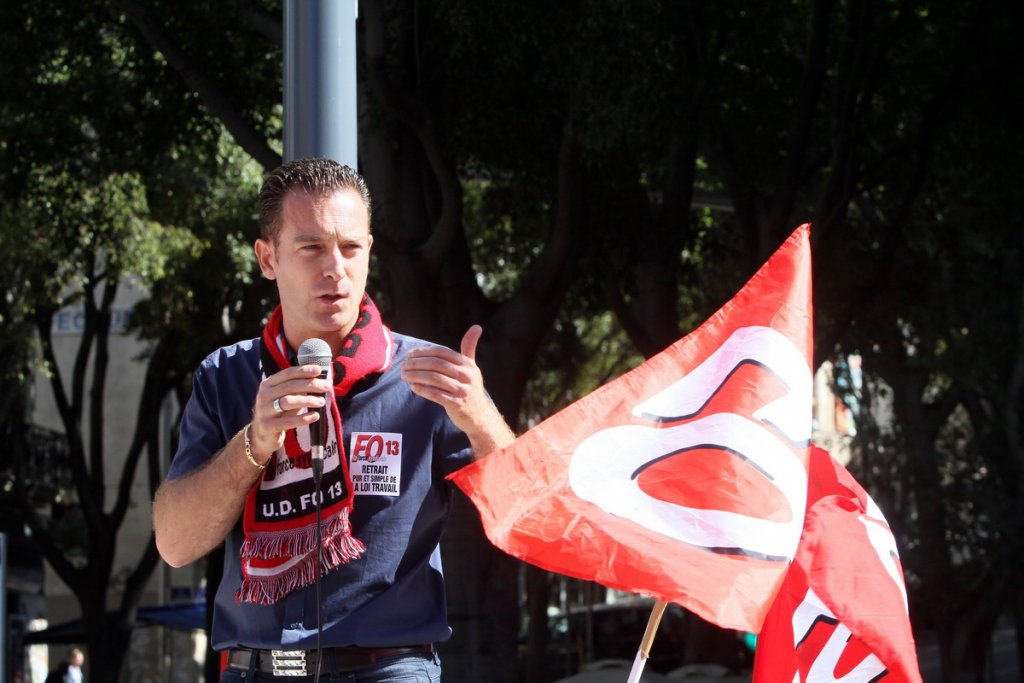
315,352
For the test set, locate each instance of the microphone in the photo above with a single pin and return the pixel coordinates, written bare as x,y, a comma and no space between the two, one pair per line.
317,352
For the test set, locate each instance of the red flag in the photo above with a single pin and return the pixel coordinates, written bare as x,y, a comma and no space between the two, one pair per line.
684,479
841,614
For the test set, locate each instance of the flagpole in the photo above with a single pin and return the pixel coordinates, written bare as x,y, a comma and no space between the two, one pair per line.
644,653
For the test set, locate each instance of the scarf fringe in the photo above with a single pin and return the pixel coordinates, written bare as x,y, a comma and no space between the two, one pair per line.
266,590
294,542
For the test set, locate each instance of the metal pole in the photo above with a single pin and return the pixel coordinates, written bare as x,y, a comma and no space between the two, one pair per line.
320,113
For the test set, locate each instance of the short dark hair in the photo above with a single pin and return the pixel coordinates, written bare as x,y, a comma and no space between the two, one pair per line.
317,176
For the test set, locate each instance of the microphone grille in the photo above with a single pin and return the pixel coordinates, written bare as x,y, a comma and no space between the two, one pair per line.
315,352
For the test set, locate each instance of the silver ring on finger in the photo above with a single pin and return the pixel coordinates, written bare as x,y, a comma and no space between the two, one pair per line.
277,406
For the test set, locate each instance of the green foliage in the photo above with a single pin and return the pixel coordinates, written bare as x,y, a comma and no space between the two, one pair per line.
500,218
214,195
71,232
579,355
114,173
65,236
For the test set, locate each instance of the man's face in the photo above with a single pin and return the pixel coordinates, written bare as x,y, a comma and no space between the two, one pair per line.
320,262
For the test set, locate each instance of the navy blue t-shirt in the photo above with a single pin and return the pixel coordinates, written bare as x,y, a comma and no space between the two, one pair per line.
394,594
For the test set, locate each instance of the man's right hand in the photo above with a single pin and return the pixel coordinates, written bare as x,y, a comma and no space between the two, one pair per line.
285,400
192,514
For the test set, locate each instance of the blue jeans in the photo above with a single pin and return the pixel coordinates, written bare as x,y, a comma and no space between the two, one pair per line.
412,668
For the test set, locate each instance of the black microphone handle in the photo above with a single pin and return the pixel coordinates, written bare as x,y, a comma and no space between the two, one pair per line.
317,437
318,430
317,351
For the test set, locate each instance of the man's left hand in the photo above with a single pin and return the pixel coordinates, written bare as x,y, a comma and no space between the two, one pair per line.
454,381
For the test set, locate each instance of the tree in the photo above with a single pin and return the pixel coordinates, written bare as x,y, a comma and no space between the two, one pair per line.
101,159
84,241
945,347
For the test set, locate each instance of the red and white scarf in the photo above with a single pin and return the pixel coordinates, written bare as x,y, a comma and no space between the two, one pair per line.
279,551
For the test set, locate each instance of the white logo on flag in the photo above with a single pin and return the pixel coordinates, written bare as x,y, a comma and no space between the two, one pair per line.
811,612
884,545
603,469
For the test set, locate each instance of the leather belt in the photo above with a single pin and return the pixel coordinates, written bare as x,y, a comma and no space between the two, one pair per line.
303,662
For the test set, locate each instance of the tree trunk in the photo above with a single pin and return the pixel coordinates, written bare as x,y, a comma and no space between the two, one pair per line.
482,607
107,642
214,574
963,602
538,594
964,641
1017,606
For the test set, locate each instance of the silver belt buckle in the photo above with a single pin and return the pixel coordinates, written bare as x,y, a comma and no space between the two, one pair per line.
288,662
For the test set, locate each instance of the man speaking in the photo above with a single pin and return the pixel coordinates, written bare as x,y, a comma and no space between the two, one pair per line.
332,566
